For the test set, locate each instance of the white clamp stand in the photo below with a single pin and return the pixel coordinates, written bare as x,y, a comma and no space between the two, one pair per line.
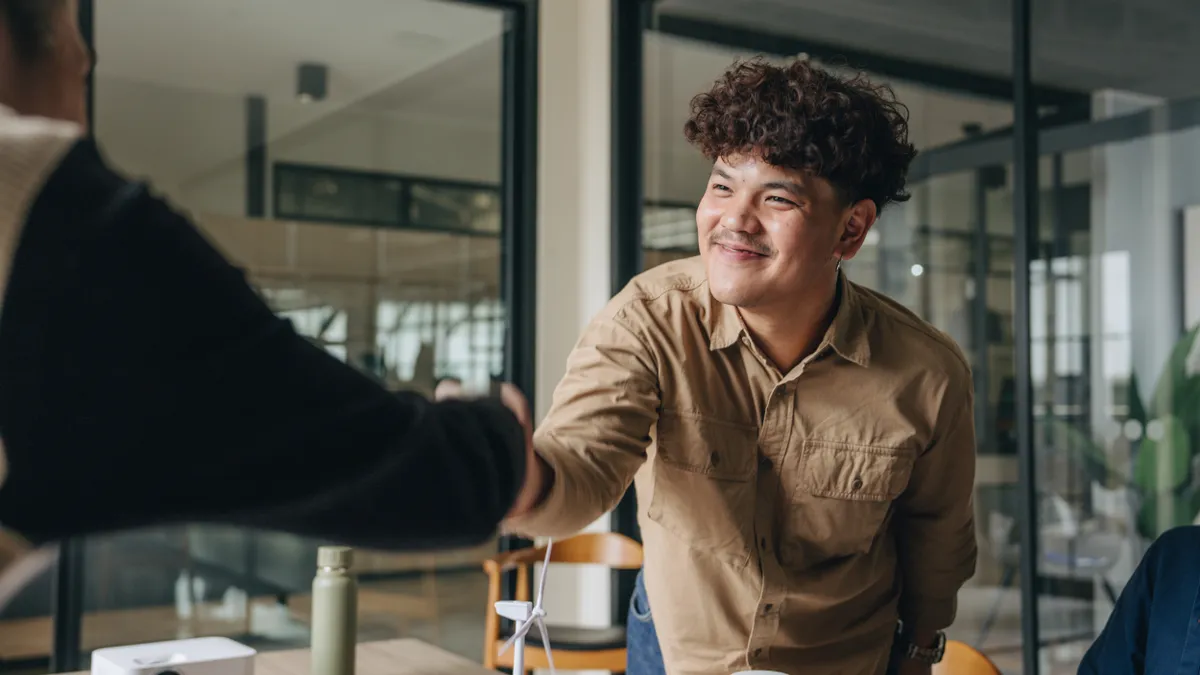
526,614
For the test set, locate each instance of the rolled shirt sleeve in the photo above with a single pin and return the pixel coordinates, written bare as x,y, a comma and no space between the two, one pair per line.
595,436
936,533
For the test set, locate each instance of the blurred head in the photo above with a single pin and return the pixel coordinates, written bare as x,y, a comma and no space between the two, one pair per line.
803,162
44,62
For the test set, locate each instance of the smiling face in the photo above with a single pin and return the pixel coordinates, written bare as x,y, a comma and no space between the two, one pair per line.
772,237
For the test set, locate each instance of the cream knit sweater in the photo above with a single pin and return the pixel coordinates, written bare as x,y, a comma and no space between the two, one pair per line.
30,149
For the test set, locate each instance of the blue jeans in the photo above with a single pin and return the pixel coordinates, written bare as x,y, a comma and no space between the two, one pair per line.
643,654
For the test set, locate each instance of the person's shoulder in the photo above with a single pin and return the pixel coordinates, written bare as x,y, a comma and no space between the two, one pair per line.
32,143
31,150
679,284
899,332
1183,540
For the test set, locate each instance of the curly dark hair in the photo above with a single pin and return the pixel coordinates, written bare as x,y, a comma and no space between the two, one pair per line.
846,130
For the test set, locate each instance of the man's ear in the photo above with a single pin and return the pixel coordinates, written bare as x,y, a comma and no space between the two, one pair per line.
858,221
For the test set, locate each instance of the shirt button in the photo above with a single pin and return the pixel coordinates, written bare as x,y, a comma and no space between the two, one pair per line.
857,484
764,462
767,608
758,652
762,543
715,458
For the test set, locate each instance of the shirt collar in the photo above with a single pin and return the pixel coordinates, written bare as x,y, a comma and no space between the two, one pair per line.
848,335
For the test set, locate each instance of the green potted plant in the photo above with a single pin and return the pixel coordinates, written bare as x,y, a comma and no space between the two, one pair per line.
1166,459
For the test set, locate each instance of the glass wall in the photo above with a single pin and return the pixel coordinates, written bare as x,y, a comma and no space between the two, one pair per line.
1114,312
946,254
349,156
1114,276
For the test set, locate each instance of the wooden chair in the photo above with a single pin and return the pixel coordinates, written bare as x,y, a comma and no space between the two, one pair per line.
575,648
963,659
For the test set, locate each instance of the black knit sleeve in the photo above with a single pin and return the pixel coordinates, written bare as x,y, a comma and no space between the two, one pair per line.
145,382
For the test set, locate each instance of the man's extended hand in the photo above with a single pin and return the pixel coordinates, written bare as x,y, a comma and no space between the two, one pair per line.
536,471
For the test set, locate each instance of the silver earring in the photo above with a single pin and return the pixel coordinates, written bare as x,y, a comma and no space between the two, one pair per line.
839,265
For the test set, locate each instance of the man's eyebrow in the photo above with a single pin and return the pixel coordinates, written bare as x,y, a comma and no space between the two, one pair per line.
722,173
794,188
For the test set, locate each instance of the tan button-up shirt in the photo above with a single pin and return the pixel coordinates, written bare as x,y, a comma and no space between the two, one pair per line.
788,518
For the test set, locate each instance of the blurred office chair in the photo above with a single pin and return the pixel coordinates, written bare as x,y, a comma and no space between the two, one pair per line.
575,647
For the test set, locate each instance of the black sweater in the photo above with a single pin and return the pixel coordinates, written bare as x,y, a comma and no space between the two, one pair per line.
145,382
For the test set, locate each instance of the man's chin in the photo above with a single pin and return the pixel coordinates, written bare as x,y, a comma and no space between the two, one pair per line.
728,289
735,297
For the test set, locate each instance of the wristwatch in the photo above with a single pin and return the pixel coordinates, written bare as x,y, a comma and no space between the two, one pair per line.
929,655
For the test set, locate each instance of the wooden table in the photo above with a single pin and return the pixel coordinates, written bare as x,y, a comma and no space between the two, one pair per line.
390,657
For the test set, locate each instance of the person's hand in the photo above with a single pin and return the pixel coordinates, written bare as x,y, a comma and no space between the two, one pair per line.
536,471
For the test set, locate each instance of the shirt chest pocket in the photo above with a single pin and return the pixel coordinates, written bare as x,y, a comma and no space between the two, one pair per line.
841,500
704,478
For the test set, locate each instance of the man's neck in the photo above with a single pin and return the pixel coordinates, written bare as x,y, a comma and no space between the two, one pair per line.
788,335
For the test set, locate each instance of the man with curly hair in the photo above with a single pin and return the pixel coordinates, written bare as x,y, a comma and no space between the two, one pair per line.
803,447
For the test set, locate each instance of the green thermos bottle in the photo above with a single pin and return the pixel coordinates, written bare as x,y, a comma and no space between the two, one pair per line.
334,612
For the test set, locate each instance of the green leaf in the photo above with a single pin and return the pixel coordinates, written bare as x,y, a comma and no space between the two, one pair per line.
1164,460
1177,393
1180,511
1137,410
1162,473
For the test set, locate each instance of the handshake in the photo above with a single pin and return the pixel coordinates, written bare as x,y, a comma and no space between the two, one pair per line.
538,475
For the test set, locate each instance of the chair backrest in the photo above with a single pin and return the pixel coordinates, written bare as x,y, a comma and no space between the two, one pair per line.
601,548
963,659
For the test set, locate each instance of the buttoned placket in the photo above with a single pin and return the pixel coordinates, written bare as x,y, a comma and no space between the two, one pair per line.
774,440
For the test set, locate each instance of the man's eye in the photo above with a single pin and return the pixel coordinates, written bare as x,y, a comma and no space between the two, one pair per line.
719,187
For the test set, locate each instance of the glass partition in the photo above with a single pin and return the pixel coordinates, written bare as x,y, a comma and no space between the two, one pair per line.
1114,315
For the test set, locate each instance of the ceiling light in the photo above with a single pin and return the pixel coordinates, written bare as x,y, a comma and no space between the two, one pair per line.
311,82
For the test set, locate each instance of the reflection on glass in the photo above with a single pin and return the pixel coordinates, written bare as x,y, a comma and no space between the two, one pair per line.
454,207
379,242
314,193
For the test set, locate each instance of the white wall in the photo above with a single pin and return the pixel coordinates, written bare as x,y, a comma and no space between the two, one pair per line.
573,232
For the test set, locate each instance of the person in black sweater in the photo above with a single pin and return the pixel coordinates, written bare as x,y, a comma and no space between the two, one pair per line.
144,382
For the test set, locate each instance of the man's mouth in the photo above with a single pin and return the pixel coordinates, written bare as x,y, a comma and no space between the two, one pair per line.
740,250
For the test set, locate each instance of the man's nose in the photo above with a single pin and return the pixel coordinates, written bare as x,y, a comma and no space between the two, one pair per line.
739,217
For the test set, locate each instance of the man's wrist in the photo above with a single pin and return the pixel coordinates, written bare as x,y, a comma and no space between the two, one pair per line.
921,643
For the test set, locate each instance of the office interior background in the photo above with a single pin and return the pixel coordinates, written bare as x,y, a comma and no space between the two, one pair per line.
437,188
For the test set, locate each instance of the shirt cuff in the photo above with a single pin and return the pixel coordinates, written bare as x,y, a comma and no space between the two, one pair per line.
926,613
551,518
